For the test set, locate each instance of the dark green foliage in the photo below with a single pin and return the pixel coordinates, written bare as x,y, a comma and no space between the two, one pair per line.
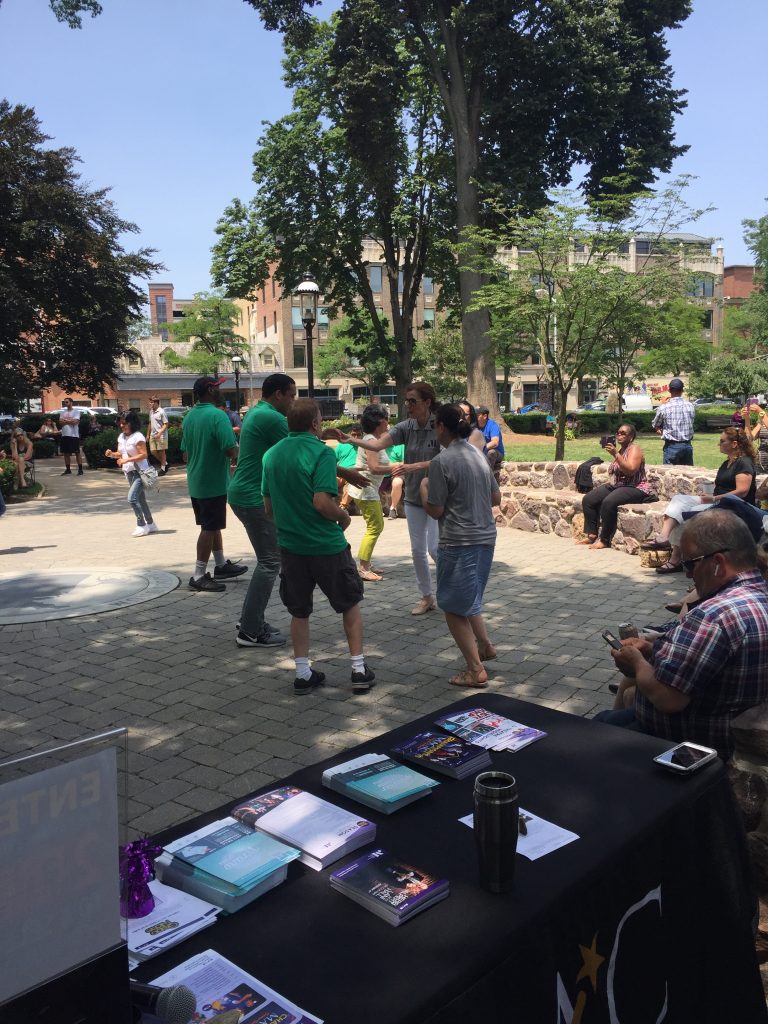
7,476
68,288
95,446
43,448
526,423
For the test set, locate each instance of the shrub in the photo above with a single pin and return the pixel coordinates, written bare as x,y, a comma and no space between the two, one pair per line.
527,422
95,446
43,448
7,476
173,455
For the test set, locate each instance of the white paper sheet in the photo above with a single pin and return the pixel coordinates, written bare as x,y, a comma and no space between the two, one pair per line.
543,836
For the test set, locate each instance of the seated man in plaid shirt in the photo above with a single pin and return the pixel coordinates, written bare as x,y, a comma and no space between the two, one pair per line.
713,665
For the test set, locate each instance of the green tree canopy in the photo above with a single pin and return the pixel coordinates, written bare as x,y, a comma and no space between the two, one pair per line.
561,271
732,377
674,343
209,325
353,349
358,166
68,288
529,90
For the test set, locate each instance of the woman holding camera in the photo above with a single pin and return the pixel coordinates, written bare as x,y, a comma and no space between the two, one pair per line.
759,433
627,485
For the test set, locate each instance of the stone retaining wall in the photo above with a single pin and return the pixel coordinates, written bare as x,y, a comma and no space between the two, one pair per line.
541,497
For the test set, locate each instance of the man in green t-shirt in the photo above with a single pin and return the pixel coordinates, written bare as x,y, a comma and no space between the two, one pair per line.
264,426
209,446
299,488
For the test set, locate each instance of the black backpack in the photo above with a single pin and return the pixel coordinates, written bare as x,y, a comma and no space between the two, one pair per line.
584,475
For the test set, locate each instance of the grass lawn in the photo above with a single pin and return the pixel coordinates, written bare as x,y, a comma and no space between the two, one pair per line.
539,448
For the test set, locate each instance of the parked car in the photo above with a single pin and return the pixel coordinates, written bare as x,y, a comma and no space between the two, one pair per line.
597,406
534,407
637,403
176,412
702,402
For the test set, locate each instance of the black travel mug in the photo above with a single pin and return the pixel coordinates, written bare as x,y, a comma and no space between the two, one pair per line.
495,827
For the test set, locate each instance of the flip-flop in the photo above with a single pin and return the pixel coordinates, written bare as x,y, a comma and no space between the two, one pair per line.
668,567
656,545
369,576
467,678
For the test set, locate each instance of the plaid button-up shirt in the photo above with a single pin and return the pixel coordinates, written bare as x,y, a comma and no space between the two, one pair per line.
718,655
675,418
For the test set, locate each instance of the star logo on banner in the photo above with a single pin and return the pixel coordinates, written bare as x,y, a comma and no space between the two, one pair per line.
591,961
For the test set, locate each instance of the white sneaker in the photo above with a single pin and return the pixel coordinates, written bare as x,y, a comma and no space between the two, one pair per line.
152,528
140,531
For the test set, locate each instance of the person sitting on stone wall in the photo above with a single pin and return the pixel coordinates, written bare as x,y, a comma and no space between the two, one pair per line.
702,673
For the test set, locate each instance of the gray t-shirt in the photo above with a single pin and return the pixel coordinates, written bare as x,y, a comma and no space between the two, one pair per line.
421,445
460,479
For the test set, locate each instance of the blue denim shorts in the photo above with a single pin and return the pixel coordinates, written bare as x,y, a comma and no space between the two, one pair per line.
462,574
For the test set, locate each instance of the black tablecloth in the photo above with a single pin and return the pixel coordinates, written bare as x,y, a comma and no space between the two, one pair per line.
647,917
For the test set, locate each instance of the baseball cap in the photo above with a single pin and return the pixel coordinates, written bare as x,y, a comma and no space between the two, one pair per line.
202,384
675,384
482,409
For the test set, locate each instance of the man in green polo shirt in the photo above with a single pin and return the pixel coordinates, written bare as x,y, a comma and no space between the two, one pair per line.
209,446
299,488
264,426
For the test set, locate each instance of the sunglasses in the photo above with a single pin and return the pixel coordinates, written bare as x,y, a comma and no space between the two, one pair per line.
688,563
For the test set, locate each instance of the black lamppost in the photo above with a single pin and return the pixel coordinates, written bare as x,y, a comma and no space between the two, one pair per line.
308,292
236,360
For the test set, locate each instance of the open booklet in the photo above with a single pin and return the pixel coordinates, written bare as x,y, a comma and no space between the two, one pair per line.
219,985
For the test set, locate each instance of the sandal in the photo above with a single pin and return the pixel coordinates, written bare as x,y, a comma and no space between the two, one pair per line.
475,680
656,545
486,653
668,567
369,575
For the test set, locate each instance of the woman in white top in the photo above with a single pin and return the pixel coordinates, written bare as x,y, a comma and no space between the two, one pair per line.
375,423
131,455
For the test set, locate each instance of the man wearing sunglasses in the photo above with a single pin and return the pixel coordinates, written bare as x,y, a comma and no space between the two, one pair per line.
713,665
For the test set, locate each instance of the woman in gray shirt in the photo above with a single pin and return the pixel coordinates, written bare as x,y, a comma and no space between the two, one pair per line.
418,436
460,493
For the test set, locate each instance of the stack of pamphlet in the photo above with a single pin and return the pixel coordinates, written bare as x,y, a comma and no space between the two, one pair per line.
388,887
485,729
322,832
449,755
175,916
225,863
379,782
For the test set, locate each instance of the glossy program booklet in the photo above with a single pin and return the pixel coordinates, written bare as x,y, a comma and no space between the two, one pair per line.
486,729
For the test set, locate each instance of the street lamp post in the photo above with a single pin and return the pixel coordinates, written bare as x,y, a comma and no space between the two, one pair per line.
308,292
236,360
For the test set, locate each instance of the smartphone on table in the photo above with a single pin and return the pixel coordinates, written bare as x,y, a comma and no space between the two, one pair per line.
686,758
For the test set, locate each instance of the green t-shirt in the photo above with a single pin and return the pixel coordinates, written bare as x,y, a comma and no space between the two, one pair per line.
206,437
346,454
295,469
396,453
263,428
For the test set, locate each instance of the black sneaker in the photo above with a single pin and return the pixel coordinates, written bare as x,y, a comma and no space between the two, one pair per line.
267,628
67,472
362,681
303,686
229,571
262,640
79,470
206,583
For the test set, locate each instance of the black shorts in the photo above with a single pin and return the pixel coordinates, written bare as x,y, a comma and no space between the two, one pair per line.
336,575
211,513
69,445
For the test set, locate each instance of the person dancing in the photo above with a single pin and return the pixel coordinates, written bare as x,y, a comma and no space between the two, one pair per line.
418,435
460,492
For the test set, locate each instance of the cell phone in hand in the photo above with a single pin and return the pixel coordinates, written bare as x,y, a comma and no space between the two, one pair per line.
609,638
607,439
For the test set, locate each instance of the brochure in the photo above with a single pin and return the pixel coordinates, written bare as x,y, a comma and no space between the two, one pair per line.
219,985
449,755
176,915
378,781
485,729
541,836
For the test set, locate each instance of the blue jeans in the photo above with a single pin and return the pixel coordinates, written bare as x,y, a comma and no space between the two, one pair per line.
138,499
462,576
263,537
677,453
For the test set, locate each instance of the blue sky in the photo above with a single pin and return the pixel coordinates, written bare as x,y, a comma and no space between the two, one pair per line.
163,101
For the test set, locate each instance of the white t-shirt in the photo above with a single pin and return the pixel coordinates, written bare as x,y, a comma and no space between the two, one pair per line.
157,419
371,492
128,446
70,429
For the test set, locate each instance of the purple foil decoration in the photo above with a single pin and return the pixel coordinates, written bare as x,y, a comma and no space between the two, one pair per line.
137,869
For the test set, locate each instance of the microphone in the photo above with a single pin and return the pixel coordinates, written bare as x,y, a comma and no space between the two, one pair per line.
174,1005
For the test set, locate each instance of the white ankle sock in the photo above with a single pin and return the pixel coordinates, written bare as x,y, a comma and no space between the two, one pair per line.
200,570
303,668
358,663
218,558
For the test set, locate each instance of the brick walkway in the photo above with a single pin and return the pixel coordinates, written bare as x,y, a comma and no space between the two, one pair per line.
209,721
